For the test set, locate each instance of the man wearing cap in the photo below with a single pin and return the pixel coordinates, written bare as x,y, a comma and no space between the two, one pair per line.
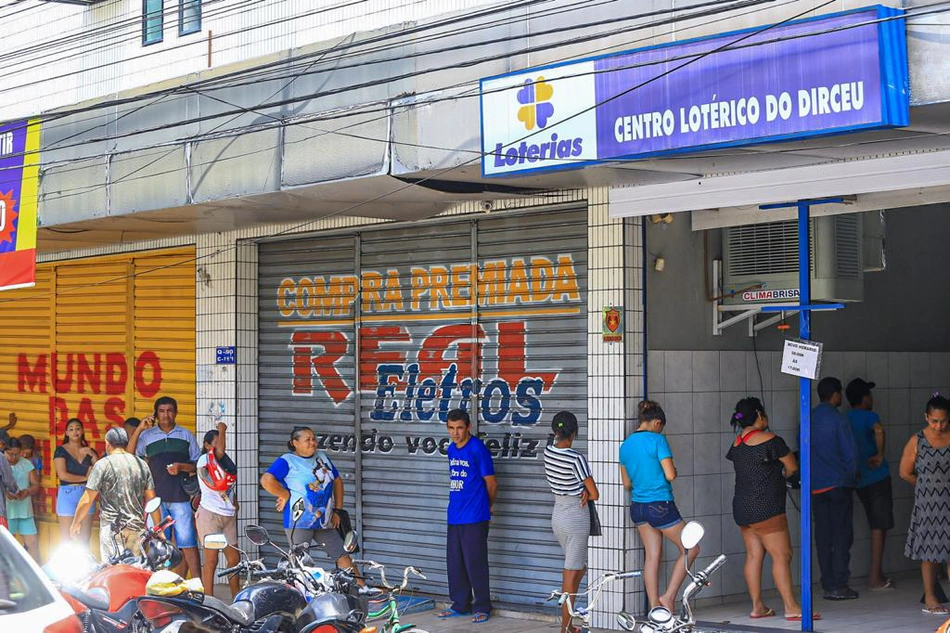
874,481
834,459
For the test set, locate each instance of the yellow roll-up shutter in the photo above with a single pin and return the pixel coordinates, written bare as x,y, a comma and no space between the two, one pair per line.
98,339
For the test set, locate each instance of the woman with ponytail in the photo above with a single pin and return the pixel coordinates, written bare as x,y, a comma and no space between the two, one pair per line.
763,462
572,484
647,470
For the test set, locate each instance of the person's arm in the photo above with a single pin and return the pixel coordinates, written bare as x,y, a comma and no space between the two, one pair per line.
146,423
627,484
11,422
82,509
491,485
271,485
220,447
34,486
847,446
909,460
59,463
877,459
6,475
789,463
590,491
669,469
91,452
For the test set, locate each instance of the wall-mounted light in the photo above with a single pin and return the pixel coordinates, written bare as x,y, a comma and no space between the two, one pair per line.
659,264
661,218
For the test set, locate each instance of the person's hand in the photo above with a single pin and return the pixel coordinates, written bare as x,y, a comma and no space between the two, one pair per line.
281,502
12,418
172,468
74,529
12,496
334,520
222,426
23,494
88,451
584,497
148,422
876,461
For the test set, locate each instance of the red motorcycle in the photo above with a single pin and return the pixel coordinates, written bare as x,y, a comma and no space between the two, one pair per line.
113,587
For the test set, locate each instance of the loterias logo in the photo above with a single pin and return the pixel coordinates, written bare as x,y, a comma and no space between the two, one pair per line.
535,111
536,108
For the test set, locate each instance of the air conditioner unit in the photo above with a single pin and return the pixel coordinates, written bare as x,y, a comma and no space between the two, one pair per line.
760,262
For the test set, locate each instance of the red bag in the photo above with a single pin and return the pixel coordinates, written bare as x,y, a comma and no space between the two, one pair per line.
223,473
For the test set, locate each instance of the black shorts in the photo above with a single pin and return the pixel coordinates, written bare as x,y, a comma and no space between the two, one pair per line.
878,504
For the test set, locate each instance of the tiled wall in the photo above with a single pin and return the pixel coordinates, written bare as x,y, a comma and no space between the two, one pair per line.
615,375
699,389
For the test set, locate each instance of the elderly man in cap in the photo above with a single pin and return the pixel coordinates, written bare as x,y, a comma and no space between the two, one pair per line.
834,458
874,481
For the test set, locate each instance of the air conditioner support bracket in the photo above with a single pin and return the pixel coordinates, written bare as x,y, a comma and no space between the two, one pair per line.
747,312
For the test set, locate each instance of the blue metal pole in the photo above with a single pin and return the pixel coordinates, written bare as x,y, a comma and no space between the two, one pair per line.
804,390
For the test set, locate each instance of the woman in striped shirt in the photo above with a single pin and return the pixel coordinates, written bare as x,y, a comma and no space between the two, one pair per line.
569,476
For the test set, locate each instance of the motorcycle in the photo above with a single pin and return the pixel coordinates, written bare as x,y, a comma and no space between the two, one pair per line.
105,595
661,619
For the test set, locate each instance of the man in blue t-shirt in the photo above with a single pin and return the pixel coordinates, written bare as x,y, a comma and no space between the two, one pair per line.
472,487
874,479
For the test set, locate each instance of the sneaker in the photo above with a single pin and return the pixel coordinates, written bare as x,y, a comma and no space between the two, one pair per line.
366,590
846,593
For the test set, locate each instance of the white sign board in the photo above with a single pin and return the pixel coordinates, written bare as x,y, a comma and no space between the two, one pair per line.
801,358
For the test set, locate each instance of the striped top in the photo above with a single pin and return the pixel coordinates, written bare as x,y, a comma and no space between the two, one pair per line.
566,470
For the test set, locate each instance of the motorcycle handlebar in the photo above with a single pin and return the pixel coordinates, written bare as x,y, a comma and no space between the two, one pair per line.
231,570
715,565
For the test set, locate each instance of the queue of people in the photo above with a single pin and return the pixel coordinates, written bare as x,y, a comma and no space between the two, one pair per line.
157,457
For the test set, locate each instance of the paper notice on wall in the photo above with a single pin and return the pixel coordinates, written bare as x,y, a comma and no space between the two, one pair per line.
802,358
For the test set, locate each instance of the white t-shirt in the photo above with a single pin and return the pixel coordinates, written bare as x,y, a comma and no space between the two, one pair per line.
214,500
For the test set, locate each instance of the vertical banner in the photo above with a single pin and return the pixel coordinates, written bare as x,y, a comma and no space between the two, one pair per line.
19,187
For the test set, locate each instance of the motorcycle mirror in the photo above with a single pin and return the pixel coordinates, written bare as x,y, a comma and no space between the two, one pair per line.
153,504
349,543
215,541
256,534
297,510
626,621
692,534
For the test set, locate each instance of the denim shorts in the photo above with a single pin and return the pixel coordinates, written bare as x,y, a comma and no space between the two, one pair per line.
67,498
184,527
659,514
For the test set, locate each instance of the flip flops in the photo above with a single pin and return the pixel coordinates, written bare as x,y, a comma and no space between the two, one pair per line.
449,613
798,618
937,610
769,613
480,617
889,585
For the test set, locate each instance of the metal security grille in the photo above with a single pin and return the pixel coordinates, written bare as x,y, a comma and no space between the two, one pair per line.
486,314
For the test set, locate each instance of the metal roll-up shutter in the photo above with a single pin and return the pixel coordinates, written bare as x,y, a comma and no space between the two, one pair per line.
98,339
412,352
535,364
306,354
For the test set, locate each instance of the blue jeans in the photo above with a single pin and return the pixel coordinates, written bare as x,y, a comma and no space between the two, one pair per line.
834,534
184,527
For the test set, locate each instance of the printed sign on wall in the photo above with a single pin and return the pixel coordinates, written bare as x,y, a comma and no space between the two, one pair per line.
19,183
766,84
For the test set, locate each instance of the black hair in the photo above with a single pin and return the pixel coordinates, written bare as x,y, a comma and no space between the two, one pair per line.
82,438
27,441
649,410
564,425
208,438
13,443
294,436
828,387
166,400
133,422
746,413
459,414
938,402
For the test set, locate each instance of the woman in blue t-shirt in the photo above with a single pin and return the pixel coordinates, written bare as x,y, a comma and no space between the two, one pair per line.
307,473
647,469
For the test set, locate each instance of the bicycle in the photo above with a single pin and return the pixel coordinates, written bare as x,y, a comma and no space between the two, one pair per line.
584,613
390,608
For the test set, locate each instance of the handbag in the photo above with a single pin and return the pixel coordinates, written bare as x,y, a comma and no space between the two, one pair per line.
595,527
189,483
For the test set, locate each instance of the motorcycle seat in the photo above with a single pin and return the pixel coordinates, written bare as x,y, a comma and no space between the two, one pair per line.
235,615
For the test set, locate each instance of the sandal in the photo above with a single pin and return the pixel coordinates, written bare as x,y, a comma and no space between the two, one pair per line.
769,612
937,610
798,618
449,613
480,617
888,585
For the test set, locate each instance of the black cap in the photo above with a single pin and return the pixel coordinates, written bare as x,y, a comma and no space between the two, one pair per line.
857,389
827,387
